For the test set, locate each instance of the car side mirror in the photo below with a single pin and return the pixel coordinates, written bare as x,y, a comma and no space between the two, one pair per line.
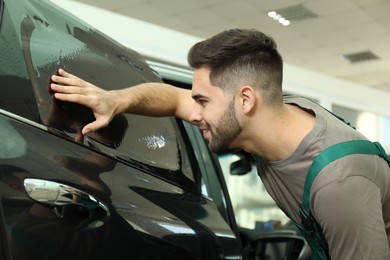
241,167
244,163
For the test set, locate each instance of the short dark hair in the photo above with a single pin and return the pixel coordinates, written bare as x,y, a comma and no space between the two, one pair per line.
239,57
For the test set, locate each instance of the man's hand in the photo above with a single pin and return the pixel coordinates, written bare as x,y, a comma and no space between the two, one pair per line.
70,88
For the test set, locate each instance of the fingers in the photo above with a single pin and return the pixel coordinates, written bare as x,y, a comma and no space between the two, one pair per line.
89,128
94,126
65,84
70,88
65,74
67,80
74,98
66,89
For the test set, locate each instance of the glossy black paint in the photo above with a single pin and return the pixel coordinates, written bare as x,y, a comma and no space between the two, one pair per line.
162,203
146,211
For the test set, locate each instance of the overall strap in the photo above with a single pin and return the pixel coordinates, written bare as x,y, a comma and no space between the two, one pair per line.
335,152
311,229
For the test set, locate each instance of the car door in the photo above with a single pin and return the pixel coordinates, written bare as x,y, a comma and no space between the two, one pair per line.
147,212
133,190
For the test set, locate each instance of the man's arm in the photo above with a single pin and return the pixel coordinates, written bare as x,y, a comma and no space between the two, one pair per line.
149,99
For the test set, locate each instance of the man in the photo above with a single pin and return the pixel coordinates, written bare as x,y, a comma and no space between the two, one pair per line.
237,102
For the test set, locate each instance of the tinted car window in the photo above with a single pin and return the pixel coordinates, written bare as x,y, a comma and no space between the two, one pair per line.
152,141
16,93
36,48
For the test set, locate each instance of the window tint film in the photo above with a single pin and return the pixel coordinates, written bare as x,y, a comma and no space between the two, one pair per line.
47,39
154,141
16,93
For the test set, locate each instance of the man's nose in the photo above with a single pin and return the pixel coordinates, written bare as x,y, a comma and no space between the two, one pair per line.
195,116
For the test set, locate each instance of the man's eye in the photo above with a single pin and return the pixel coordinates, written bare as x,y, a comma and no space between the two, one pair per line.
202,102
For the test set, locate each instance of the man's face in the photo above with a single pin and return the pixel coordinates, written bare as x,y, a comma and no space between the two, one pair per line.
214,112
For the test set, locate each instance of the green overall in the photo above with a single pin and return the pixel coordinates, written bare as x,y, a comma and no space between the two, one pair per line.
309,227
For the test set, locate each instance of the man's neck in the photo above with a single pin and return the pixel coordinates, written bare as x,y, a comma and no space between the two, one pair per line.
275,136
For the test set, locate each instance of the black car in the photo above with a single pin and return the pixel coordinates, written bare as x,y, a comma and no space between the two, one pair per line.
141,188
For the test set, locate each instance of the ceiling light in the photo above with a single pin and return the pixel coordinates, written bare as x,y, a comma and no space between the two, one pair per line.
296,13
278,17
271,14
292,13
283,21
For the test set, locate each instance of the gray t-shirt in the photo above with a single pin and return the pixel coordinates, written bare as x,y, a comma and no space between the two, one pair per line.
350,198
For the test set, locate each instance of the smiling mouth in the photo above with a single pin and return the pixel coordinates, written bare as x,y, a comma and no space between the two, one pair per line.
205,129
206,133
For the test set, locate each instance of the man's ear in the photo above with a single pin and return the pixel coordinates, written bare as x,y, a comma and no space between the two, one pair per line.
248,99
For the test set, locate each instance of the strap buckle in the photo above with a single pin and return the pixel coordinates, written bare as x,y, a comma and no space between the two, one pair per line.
306,221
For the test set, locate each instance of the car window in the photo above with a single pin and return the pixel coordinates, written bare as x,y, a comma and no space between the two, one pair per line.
1,11
16,94
40,41
157,142
210,185
253,206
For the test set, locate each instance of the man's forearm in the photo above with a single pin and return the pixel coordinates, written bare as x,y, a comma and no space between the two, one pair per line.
154,99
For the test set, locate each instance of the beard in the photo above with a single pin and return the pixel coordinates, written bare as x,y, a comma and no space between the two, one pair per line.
226,131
